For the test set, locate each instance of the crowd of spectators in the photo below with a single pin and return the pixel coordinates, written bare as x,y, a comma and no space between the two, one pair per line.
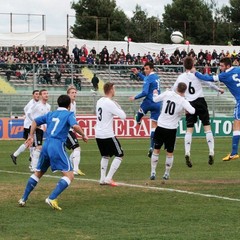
19,61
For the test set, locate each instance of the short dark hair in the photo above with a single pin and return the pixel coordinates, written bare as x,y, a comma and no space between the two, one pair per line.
188,63
64,101
226,61
181,88
107,87
150,64
34,91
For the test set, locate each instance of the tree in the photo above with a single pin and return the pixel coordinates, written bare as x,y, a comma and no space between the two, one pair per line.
193,18
99,19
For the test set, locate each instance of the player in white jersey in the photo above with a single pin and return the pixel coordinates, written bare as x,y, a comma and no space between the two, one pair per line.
72,141
107,142
194,94
39,109
26,124
165,134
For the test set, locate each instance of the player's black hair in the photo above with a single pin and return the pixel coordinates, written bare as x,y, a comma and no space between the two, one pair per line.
64,101
34,91
150,64
226,61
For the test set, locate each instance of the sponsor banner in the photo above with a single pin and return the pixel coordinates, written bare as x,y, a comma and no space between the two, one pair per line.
13,128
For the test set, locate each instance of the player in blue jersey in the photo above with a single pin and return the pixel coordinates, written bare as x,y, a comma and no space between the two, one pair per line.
230,76
151,82
53,153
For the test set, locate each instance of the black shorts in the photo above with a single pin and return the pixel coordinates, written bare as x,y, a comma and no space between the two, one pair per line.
201,111
72,141
165,136
38,137
110,147
26,132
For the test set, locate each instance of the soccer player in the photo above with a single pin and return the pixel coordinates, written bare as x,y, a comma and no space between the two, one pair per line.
107,142
72,141
26,124
194,95
151,82
53,153
172,107
230,76
39,109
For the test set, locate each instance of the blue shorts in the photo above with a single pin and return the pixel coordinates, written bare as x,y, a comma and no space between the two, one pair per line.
54,155
154,108
237,111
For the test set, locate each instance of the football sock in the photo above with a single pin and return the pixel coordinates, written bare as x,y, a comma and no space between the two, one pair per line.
151,138
139,116
31,184
168,164
114,167
35,157
21,149
62,184
76,158
235,142
210,142
187,142
104,165
154,162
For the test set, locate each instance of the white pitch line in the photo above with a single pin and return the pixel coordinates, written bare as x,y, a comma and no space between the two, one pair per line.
138,186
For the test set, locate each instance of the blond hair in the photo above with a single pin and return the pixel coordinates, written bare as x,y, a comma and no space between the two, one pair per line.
71,87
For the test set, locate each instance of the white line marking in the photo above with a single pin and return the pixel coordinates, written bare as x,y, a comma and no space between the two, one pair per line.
137,186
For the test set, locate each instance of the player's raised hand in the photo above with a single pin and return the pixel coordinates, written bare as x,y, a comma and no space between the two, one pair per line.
134,70
131,98
155,91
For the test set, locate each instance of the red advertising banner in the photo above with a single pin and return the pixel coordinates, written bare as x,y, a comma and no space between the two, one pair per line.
12,128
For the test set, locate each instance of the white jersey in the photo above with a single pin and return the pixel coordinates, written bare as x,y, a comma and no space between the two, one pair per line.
172,109
194,85
106,109
38,110
27,121
73,107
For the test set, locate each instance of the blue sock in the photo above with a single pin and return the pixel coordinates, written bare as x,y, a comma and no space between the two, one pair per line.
151,139
235,141
62,184
31,184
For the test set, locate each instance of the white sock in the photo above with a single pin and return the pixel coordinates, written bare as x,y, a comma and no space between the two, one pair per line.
210,142
168,164
75,159
114,167
35,157
154,162
187,143
104,165
21,149
31,151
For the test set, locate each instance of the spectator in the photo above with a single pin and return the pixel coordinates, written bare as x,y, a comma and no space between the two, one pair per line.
47,77
77,82
95,82
57,77
76,52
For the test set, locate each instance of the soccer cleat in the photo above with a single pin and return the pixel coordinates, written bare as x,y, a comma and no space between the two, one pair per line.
188,161
21,203
138,122
110,183
14,159
53,204
150,152
229,157
153,176
210,159
165,176
79,172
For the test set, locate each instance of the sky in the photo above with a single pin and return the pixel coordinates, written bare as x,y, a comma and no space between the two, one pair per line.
56,11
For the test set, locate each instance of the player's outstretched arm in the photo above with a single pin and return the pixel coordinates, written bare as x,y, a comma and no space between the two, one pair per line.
79,130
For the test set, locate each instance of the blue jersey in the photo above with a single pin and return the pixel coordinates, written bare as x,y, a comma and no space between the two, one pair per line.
150,83
53,152
58,123
231,78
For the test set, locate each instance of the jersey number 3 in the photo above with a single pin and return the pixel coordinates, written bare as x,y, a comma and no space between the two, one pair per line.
100,114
